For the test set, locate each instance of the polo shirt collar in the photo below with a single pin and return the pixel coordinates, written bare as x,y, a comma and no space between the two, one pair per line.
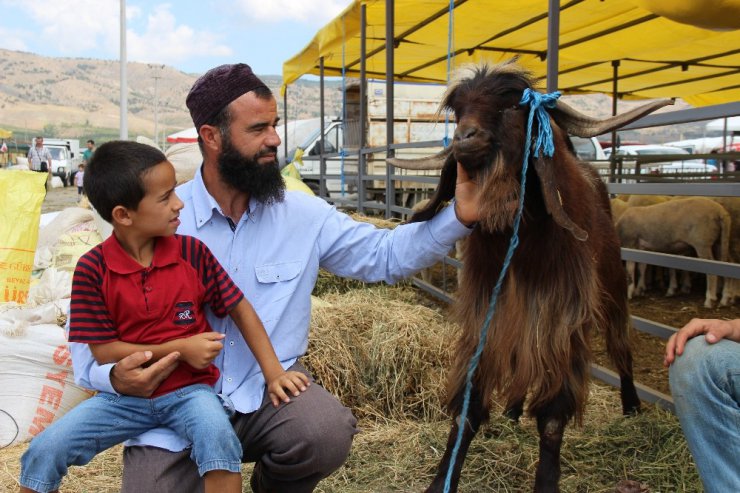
166,252
205,206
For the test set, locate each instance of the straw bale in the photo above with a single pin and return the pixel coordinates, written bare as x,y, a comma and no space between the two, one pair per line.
380,356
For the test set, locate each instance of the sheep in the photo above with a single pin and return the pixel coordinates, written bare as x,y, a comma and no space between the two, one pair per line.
674,226
642,200
564,279
617,207
639,287
731,289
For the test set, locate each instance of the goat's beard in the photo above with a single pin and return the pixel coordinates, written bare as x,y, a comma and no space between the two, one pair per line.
261,181
499,196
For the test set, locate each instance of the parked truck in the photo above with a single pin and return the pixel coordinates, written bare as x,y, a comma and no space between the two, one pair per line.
415,119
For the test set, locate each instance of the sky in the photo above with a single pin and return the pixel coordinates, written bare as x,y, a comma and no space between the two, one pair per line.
190,35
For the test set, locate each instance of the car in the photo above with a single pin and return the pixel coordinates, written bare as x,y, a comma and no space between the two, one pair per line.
675,165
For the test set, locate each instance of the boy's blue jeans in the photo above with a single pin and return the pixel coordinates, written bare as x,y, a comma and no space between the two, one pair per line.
705,384
105,420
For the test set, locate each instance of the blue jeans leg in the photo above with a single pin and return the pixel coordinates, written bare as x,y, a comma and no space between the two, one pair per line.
197,413
705,385
91,427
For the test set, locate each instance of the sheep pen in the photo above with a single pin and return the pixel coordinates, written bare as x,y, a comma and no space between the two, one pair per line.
366,348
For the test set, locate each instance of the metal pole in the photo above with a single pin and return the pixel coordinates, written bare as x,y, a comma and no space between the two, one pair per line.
156,77
615,98
553,42
322,159
361,158
285,124
389,69
124,90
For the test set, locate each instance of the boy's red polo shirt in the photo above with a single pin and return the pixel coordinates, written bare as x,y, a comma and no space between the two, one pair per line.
115,298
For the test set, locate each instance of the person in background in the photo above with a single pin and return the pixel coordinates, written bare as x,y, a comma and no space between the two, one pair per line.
88,152
704,378
39,158
147,289
79,180
272,243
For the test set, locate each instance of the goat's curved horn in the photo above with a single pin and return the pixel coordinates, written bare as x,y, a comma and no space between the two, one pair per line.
576,123
553,201
436,161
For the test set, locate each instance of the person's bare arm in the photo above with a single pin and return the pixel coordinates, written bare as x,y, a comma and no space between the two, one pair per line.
198,350
259,343
714,330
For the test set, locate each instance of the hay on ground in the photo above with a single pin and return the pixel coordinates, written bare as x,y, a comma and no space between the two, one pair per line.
386,357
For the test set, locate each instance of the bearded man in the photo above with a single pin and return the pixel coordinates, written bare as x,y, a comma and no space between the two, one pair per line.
272,243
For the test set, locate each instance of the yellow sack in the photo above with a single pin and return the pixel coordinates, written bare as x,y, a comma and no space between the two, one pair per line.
291,171
21,195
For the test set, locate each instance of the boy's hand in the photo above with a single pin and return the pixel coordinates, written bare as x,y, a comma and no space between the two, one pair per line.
200,350
293,381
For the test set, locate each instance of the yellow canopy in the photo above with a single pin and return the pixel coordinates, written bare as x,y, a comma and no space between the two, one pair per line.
657,57
5,134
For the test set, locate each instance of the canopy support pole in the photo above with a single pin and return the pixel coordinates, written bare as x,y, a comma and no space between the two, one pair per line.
322,159
553,41
362,157
285,124
389,71
615,97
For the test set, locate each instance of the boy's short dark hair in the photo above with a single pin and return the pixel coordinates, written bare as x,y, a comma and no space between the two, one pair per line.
114,175
90,141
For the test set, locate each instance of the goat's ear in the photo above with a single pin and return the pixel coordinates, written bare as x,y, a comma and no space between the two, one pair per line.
445,191
553,201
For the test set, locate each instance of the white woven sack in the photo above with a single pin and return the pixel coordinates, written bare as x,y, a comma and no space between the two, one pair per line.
36,382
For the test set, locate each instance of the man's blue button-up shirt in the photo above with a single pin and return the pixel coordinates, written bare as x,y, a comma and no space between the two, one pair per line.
274,255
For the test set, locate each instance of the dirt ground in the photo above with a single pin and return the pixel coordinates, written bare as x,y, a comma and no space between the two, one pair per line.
59,198
648,349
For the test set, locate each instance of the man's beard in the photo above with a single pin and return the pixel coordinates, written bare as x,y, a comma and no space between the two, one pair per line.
261,181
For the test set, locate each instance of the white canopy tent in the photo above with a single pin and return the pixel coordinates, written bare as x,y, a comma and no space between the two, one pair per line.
733,124
187,136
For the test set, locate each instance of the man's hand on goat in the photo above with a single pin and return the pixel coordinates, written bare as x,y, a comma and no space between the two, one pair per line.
466,198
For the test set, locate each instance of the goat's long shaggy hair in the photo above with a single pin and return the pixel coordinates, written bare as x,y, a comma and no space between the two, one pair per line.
559,286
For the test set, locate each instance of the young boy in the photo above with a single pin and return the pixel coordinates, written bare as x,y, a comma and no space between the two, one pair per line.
145,289
79,180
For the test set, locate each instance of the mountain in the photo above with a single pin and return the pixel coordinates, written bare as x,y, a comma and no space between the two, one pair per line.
79,98
76,96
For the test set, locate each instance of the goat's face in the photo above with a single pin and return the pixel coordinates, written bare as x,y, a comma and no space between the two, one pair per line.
490,122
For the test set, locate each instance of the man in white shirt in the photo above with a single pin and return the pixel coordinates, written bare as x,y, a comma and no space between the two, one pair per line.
272,242
39,157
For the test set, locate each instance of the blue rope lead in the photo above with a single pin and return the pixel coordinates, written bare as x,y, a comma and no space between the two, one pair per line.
537,104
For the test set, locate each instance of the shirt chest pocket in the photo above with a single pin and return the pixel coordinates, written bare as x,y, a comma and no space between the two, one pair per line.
280,272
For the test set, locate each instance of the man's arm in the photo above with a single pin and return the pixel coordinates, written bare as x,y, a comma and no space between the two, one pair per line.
129,376
713,329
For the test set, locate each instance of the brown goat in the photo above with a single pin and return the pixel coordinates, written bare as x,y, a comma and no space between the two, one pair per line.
564,279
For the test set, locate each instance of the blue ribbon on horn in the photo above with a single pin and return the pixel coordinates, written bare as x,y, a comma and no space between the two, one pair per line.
538,104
